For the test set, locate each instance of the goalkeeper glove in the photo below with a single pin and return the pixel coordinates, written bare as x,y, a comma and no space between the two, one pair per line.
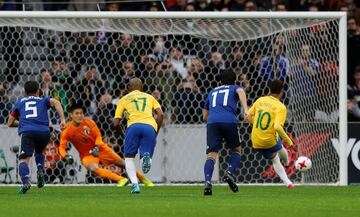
69,159
95,151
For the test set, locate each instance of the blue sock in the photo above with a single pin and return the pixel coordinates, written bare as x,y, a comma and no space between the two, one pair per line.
208,169
39,159
234,162
24,172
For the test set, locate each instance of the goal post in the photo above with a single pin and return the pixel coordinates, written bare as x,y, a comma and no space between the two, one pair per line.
209,42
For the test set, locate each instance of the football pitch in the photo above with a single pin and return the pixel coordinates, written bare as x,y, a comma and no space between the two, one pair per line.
251,201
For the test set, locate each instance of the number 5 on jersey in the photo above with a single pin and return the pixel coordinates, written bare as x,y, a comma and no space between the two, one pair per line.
31,106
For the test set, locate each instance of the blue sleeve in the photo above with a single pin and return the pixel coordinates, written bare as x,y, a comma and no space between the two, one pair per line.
47,101
207,104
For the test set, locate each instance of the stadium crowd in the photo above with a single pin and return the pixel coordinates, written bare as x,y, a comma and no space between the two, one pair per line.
95,67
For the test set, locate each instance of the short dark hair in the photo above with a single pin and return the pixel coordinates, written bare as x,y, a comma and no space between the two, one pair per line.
75,106
276,86
228,77
31,87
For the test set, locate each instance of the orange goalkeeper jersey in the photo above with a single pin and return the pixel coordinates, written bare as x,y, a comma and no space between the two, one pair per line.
84,137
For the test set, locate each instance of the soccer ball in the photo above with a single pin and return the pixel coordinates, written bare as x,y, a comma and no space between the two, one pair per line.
303,164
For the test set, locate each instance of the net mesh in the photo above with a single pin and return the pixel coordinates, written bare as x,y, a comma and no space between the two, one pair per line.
92,60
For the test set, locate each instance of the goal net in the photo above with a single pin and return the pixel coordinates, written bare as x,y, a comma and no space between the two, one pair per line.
90,59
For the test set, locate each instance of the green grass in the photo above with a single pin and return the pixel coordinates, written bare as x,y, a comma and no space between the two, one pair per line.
181,201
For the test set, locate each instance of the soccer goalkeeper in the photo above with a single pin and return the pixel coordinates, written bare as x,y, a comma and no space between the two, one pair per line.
86,137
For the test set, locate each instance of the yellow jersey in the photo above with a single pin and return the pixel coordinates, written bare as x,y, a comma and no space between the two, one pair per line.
268,117
139,107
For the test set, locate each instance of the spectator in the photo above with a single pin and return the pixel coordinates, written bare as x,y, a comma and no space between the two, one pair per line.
216,5
159,96
104,115
80,5
202,5
237,5
215,65
113,6
159,49
304,84
313,8
45,82
126,74
236,59
166,78
178,61
354,97
5,105
353,47
7,5
281,6
250,6
125,49
89,89
154,7
190,7
147,66
187,104
275,65
179,5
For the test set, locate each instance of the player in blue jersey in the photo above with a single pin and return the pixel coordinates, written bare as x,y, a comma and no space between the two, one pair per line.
220,114
30,115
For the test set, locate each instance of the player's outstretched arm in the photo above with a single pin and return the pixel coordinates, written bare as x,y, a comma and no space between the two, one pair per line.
159,117
243,101
278,126
205,115
12,121
55,103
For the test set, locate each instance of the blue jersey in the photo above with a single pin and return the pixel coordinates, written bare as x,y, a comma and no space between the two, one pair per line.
222,104
32,114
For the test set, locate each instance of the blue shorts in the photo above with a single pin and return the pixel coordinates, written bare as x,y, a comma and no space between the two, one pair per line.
33,141
268,153
218,132
140,138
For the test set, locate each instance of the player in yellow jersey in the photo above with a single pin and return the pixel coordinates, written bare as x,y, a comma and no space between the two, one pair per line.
268,115
142,128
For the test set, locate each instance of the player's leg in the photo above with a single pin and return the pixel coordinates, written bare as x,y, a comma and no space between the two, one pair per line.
92,164
147,146
25,153
131,148
280,170
214,139
231,134
107,156
41,139
272,154
284,157
121,163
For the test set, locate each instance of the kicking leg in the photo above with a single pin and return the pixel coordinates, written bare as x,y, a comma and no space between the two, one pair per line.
283,154
279,169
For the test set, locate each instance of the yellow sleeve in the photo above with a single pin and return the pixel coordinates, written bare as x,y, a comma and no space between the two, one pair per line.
279,125
156,104
252,111
119,109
